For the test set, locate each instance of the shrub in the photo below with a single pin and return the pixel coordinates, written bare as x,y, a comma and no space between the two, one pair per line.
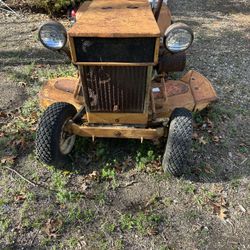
53,7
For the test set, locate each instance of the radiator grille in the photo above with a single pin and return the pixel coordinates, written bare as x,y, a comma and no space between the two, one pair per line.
115,89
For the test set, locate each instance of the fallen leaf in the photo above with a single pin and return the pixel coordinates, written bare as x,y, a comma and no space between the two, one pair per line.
221,209
153,231
20,197
208,169
195,136
3,114
93,176
224,213
84,187
202,141
8,159
20,143
216,139
52,226
209,123
22,84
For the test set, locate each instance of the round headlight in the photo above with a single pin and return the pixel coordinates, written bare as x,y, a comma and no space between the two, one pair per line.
53,35
178,37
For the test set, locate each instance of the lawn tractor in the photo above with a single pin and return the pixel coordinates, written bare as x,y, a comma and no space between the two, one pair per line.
124,52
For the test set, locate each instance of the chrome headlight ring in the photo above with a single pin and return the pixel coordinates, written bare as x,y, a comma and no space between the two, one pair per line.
178,37
53,35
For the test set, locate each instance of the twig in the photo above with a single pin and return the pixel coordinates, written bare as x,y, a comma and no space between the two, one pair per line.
243,161
128,184
21,176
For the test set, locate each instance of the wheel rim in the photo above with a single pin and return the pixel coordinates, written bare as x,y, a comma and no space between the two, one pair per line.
67,141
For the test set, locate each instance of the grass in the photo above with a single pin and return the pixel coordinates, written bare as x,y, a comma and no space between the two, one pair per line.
109,214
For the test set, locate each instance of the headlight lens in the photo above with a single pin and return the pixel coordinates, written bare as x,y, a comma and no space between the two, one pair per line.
53,35
178,37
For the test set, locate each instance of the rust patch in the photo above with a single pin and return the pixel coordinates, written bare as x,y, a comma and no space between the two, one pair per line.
66,85
173,88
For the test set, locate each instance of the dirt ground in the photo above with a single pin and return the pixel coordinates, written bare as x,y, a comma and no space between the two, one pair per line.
116,196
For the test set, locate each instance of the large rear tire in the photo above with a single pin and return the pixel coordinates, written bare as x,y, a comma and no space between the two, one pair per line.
53,144
179,142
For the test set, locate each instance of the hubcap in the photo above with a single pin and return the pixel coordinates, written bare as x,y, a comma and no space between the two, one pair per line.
67,141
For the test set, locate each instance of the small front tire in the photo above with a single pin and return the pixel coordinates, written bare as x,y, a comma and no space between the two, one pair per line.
179,142
53,144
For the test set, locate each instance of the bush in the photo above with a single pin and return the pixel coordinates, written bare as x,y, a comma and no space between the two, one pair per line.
53,7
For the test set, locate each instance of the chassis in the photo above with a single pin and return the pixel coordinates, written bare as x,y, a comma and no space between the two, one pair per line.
159,107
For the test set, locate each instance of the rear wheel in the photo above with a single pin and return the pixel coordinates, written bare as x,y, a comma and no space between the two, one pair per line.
53,144
178,143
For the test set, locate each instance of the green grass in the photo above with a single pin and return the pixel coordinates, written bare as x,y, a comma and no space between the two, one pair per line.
140,222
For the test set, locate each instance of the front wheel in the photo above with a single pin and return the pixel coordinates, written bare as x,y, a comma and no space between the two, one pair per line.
53,144
179,142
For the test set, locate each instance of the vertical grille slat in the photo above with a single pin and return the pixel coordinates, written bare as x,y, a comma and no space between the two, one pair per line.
116,89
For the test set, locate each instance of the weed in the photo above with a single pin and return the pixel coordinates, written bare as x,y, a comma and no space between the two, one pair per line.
63,195
168,201
87,215
72,242
142,161
118,245
127,222
243,150
107,173
140,222
101,198
109,227
4,225
189,188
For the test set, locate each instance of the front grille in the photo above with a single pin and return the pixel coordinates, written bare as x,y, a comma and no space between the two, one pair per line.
115,89
92,49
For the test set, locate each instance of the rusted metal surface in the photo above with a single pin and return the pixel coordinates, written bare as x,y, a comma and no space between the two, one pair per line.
66,85
165,19
202,90
49,94
115,89
115,132
171,62
193,92
173,88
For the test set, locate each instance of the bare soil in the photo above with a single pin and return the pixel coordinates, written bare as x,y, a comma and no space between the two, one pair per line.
116,196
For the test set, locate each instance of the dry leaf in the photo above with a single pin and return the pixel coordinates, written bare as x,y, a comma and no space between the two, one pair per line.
20,197
93,176
221,209
52,226
3,114
84,187
208,169
202,141
195,136
20,143
224,213
209,123
153,231
8,160
216,139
